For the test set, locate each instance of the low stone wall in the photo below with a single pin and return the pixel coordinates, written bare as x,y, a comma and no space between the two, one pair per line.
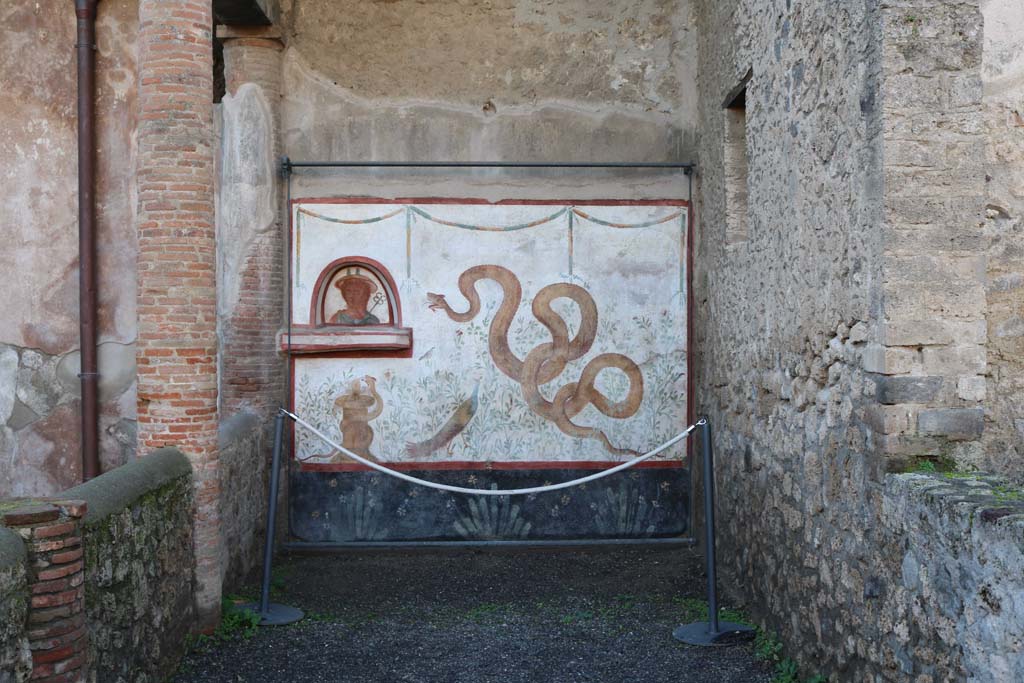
15,658
245,445
139,563
126,538
950,604
932,590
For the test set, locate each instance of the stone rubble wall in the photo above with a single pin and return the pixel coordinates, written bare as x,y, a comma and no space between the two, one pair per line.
15,655
842,336
245,462
134,556
948,602
140,587
783,317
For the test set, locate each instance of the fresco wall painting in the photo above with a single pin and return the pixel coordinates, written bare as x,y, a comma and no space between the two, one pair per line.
550,340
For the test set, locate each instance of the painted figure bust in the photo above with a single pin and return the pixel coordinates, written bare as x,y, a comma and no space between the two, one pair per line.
356,289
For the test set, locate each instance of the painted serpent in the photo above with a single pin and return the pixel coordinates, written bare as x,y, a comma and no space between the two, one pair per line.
547,361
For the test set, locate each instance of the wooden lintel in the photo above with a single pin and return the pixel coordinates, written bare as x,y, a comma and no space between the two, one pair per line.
736,97
225,32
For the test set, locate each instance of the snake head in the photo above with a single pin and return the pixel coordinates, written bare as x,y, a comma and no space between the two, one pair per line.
436,302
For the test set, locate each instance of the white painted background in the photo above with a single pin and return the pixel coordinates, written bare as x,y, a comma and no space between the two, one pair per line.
633,275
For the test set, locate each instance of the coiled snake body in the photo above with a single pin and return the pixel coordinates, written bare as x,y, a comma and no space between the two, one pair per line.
547,361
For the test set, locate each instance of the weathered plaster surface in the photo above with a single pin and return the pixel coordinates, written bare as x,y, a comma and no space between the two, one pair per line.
640,54
247,200
39,319
38,141
1003,77
323,120
507,80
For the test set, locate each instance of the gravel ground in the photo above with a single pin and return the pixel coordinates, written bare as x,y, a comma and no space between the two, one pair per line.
470,616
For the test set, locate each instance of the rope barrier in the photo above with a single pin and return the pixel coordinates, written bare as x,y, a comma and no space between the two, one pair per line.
495,492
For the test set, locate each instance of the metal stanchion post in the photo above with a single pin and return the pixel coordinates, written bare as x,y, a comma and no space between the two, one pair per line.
710,632
271,613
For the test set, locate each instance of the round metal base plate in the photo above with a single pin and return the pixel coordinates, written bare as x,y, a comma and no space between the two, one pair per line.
276,615
700,633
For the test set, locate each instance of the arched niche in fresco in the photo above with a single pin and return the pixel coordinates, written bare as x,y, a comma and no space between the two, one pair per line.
354,307
355,292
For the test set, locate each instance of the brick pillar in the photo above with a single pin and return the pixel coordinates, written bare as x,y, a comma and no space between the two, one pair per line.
56,619
253,373
177,340
253,55
251,280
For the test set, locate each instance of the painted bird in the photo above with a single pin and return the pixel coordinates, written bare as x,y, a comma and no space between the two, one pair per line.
452,428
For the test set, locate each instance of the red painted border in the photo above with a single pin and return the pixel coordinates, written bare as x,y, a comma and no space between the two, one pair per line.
350,351
471,465
691,411
547,464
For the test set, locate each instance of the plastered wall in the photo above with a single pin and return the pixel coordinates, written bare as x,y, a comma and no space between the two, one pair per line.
511,80
39,387
516,80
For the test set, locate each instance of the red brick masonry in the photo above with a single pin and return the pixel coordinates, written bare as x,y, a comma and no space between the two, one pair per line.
177,313
56,617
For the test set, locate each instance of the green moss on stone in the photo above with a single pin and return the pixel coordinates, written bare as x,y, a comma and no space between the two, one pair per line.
1007,494
121,488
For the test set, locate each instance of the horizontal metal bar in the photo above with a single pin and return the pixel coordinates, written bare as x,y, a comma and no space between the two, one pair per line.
307,546
287,163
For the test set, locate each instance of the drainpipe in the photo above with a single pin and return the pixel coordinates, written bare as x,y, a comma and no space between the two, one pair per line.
85,11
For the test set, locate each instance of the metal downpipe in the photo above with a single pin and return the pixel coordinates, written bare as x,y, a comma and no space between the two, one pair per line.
85,12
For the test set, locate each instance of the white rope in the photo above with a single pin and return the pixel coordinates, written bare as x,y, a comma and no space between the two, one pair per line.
497,492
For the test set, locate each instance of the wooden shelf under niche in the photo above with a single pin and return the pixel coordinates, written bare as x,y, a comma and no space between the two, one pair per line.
338,338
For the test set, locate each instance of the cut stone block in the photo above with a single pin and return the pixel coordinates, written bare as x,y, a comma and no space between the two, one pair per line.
954,423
